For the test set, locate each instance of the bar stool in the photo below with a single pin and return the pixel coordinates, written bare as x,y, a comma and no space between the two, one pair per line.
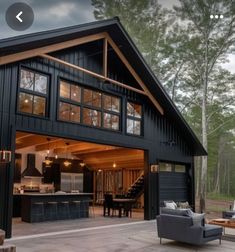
38,212
51,210
75,208
88,208
84,210
63,210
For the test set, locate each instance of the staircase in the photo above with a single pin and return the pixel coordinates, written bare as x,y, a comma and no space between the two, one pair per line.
137,188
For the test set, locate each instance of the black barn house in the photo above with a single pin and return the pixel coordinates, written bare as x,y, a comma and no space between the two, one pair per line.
89,83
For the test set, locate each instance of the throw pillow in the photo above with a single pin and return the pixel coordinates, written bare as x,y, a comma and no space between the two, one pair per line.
198,219
184,204
170,205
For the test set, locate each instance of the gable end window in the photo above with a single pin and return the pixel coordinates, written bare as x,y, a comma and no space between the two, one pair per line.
33,93
89,107
134,118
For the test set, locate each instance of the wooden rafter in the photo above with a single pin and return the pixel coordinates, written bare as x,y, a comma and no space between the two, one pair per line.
50,48
96,75
43,52
134,74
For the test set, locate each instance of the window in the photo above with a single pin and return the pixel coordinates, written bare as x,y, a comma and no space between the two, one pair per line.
111,115
166,167
33,93
70,98
93,108
134,117
180,168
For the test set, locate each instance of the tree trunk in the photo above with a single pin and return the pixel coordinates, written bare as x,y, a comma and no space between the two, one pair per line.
204,143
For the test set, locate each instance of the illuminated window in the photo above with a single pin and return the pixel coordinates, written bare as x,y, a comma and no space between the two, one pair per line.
89,107
33,93
134,117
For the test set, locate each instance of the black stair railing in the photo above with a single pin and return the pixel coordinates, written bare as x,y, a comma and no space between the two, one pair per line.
137,188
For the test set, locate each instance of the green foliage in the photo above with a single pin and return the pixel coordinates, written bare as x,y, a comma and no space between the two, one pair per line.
186,49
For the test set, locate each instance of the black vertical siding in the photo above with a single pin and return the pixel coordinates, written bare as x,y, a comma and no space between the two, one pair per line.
158,130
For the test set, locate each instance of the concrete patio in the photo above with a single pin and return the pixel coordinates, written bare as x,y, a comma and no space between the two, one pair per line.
113,235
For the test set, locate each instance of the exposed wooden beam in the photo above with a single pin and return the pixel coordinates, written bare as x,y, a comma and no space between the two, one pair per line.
105,57
96,75
50,48
123,165
116,152
94,150
134,74
112,159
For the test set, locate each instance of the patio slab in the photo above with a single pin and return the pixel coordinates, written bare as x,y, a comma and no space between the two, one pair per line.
133,236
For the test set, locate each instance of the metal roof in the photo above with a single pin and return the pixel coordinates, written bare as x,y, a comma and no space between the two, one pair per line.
117,32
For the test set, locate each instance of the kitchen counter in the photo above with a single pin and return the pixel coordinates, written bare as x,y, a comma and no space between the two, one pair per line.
39,207
52,194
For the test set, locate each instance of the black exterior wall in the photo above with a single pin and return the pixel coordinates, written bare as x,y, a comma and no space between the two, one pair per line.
159,131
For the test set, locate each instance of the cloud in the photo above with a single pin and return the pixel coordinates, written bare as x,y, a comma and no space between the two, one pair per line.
49,15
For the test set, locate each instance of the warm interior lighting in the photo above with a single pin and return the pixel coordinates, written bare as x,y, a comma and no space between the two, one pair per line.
47,160
114,165
67,162
56,156
99,170
5,156
26,100
82,164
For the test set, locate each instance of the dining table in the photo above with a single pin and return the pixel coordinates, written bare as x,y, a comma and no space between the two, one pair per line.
125,203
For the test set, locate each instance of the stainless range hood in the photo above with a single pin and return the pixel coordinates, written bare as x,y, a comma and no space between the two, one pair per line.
31,171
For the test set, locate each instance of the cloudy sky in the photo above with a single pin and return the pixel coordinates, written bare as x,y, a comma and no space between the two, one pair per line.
50,14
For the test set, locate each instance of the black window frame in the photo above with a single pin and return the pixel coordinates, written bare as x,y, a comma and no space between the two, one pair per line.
141,120
87,106
33,93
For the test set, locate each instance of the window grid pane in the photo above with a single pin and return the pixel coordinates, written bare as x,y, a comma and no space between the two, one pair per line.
26,79
92,117
110,121
64,90
40,83
25,103
39,105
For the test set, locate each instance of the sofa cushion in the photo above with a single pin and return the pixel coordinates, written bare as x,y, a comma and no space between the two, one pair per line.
212,230
198,219
180,212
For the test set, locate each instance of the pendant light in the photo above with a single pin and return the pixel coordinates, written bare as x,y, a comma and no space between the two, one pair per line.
47,160
67,162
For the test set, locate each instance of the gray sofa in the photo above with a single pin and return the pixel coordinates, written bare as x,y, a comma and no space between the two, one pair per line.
228,214
179,225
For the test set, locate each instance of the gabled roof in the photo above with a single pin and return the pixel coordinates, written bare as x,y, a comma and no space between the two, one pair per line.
118,34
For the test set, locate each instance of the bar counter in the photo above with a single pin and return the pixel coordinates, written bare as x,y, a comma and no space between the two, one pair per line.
39,207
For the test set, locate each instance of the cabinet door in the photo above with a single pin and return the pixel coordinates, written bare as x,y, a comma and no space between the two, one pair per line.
66,182
78,182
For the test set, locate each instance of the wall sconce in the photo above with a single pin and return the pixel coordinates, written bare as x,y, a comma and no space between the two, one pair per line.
5,156
154,168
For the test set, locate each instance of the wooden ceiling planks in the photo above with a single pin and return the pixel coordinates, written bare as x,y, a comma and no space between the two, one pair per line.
96,156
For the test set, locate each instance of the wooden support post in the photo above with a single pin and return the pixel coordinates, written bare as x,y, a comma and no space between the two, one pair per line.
105,57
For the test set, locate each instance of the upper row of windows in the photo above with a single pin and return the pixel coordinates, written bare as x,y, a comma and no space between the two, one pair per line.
76,104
